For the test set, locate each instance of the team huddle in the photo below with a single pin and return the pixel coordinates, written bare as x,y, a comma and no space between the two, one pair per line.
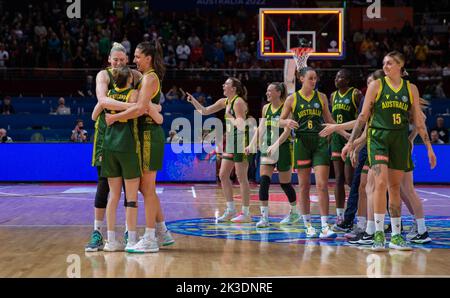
368,137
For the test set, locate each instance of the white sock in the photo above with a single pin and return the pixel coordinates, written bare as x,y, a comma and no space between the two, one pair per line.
421,227
307,219
324,221
149,233
340,212
161,226
230,206
246,210
265,212
111,236
132,236
126,226
370,229
379,222
396,223
361,222
98,225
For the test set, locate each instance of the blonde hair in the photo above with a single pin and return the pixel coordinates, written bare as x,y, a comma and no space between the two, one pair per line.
400,59
117,47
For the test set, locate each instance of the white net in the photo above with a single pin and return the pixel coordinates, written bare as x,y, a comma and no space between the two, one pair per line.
301,56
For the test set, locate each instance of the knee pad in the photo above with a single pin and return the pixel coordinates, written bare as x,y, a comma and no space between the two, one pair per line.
264,188
101,196
289,191
131,204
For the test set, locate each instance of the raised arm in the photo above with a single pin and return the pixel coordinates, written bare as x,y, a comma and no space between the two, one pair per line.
419,123
215,107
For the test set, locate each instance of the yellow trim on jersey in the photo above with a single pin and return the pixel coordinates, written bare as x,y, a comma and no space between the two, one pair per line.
305,98
129,95
342,95
369,133
411,98
117,89
294,104
333,97
137,143
354,102
320,99
274,112
95,142
380,89
386,78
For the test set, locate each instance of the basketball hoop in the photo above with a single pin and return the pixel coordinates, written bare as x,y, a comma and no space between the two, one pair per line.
301,56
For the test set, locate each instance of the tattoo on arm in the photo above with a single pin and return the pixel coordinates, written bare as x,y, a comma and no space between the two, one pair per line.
377,170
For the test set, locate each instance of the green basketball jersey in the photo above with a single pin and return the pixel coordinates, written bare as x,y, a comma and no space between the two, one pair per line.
230,128
273,120
100,127
344,108
308,113
391,109
146,119
122,135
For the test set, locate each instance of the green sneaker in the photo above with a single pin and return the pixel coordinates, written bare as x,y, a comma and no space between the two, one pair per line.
95,243
290,219
397,242
379,241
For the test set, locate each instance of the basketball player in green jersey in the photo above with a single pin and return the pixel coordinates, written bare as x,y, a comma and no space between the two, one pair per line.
149,61
310,109
344,105
387,103
104,82
276,151
121,160
237,139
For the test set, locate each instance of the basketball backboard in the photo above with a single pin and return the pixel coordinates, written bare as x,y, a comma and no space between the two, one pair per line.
281,29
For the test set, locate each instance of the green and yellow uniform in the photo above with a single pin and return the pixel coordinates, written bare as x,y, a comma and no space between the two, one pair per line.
100,128
151,134
283,157
387,140
236,140
309,148
121,144
344,109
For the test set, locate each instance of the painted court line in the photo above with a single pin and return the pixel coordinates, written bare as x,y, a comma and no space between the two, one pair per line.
433,193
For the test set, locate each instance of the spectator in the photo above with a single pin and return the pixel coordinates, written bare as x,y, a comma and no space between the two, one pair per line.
4,136
441,129
183,51
79,135
173,137
170,61
229,42
174,93
434,135
421,51
126,44
198,92
4,56
446,70
62,109
439,90
194,40
7,108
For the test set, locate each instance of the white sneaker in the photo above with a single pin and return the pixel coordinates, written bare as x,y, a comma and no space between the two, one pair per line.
311,232
130,245
144,245
327,233
227,215
290,219
242,218
263,223
113,246
413,231
165,238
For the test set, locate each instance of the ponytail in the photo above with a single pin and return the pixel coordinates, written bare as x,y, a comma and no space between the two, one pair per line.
281,87
241,91
153,48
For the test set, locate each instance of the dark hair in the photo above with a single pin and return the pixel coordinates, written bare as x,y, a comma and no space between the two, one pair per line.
241,91
154,49
302,72
120,76
281,88
346,73
377,74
